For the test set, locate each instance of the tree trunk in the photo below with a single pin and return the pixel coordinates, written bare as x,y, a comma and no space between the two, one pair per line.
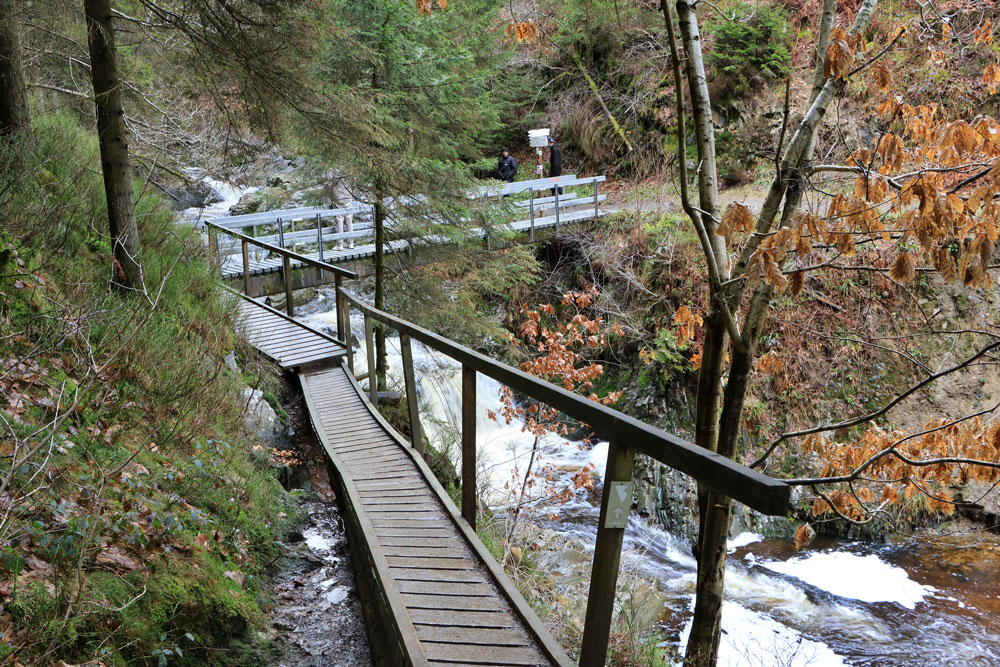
14,115
113,137
380,354
715,508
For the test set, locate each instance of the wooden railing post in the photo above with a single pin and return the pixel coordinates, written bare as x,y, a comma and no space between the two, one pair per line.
213,242
286,264
531,211
338,298
246,267
596,211
469,444
411,394
615,503
344,306
370,353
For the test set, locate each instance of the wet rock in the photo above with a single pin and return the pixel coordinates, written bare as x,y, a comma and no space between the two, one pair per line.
196,195
259,416
299,298
280,180
265,199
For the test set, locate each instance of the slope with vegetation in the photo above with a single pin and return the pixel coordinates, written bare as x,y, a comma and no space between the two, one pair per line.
135,516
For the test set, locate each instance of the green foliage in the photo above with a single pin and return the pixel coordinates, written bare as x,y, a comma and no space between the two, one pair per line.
665,355
147,535
450,296
747,51
735,162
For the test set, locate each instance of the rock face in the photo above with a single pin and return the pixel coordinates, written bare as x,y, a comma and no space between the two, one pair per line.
260,417
196,195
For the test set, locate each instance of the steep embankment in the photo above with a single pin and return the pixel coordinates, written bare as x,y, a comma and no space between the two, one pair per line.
135,516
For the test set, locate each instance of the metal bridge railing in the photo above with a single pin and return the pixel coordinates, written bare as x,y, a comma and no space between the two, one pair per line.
312,228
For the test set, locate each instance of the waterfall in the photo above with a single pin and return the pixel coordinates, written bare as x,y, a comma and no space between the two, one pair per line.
503,450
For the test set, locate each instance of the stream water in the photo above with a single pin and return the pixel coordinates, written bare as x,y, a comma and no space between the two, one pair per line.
915,601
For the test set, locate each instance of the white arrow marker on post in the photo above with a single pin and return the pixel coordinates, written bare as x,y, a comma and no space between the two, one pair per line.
619,501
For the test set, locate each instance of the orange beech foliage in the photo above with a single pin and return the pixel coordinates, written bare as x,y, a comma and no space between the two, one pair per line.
884,467
523,31
560,340
427,6
922,196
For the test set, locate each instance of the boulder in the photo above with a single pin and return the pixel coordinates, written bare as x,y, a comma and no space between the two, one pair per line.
195,195
265,199
259,416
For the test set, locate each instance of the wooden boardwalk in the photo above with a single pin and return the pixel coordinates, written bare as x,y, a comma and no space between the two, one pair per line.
288,342
432,594
449,601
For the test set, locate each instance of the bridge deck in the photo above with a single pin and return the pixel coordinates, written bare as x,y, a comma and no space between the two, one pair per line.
290,343
232,265
450,603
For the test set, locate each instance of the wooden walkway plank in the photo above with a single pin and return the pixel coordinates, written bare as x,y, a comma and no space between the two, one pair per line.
289,343
453,603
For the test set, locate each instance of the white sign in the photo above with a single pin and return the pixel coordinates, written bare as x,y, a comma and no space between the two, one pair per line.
538,138
619,502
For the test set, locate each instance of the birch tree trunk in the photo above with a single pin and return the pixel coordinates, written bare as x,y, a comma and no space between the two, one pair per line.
714,430
113,137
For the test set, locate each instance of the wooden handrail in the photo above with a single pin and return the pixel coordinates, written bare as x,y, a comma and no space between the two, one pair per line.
275,311
626,436
752,488
308,261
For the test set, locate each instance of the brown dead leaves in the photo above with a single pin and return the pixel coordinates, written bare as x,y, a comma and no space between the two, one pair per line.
685,321
892,467
736,218
991,77
839,55
523,31
562,341
425,7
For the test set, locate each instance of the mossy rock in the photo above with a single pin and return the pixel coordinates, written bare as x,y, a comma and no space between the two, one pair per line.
265,199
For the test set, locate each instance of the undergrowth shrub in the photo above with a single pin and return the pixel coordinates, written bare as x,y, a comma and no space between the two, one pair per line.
136,519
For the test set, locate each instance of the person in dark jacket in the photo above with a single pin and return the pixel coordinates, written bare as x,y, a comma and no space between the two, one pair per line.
555,162
506,166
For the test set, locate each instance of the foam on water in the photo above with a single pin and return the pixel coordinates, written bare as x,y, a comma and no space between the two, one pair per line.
229,192
848,575
751,639
742,540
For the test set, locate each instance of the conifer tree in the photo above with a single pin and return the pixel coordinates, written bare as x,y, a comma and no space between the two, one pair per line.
14,116
425,70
